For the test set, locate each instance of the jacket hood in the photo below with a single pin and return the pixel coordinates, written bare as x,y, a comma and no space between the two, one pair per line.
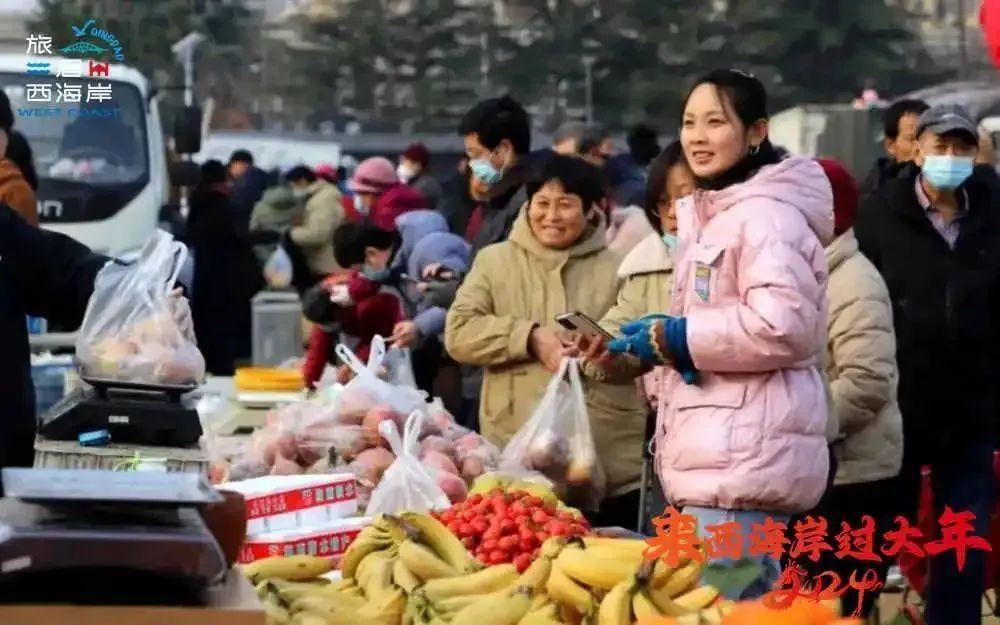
414,226
796,181
280,198
445,248
651,255
840,249
396,201
593,240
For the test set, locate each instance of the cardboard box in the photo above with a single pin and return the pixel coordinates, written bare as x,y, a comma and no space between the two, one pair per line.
329,541
290,502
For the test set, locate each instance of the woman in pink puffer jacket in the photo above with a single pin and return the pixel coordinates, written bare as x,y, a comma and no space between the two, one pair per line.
743,410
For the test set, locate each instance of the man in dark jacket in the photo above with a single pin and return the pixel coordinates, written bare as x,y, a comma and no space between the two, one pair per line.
248,183
934,234
42,274
497,136
900,125
226,274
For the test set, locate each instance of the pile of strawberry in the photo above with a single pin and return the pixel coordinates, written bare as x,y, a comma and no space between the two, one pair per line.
509,526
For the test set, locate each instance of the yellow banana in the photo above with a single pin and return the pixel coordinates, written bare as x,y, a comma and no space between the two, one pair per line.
626,547
595,571
294,568
505,608
537,573
318,605
712,615
449,606
404,577
307,618
681,580
616,607
697,599
440,540
539,601
548,614
480,583
370,565
552,547
643,607
379,582
367,542
564,590
424,563
276,615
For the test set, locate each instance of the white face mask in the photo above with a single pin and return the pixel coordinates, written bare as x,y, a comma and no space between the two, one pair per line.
406,172
300,192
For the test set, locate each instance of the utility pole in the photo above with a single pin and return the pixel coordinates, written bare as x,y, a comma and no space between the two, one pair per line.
588,66
963,49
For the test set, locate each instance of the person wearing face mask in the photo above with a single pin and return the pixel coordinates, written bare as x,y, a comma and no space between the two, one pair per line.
741,432
503,319
648,268
312,238
934,235
412,171
497,136
379,196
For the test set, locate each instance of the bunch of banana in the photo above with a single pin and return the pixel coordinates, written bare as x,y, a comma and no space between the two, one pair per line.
493,596
637,600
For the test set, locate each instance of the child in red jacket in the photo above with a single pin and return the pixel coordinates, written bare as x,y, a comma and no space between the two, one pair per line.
346,303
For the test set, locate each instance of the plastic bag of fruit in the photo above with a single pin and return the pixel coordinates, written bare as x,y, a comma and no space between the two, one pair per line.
407,484
367,390
557,442
136,328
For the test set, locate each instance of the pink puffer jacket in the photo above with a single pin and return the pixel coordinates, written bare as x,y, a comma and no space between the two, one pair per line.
750,277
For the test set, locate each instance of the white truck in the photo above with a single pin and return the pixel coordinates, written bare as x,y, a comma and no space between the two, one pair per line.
102,177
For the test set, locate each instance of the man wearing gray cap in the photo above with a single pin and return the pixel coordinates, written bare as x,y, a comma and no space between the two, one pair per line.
934,234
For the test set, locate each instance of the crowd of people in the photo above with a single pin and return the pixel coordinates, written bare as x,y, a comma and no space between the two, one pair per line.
804,345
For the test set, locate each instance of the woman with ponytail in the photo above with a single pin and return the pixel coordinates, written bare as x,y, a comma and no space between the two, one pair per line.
743,408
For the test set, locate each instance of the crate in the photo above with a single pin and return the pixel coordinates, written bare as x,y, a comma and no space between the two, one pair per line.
277,318
51,454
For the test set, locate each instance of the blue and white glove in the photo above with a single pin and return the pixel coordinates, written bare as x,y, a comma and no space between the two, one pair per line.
658,340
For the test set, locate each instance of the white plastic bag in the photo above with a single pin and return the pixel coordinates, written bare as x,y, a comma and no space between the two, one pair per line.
135,328
278,271
399,367
406,485
367,389
557,442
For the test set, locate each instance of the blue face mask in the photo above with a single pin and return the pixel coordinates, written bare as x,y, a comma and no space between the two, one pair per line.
947,172
483,169
376,275
670,240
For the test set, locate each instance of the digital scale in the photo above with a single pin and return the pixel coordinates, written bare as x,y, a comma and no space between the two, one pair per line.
140,414
106,538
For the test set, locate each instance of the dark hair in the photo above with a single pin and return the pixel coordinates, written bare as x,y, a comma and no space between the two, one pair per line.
748,98
643,144
6,113
577,177
351,240
497,119
241,156
300,172
212,172
593,136
19,153
896,111
659,171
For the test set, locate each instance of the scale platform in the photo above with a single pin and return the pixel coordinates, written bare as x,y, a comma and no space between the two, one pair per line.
140,414
106,538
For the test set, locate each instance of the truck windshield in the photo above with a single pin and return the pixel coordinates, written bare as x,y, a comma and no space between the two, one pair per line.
97,143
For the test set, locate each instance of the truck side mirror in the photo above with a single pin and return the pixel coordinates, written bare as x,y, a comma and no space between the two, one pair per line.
187,131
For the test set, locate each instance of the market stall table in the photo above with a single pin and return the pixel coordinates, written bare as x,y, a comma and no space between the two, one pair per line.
233,602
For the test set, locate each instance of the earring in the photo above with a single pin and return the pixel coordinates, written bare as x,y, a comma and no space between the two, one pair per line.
754,149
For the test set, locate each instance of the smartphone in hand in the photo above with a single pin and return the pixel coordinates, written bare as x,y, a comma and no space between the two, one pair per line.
579,322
